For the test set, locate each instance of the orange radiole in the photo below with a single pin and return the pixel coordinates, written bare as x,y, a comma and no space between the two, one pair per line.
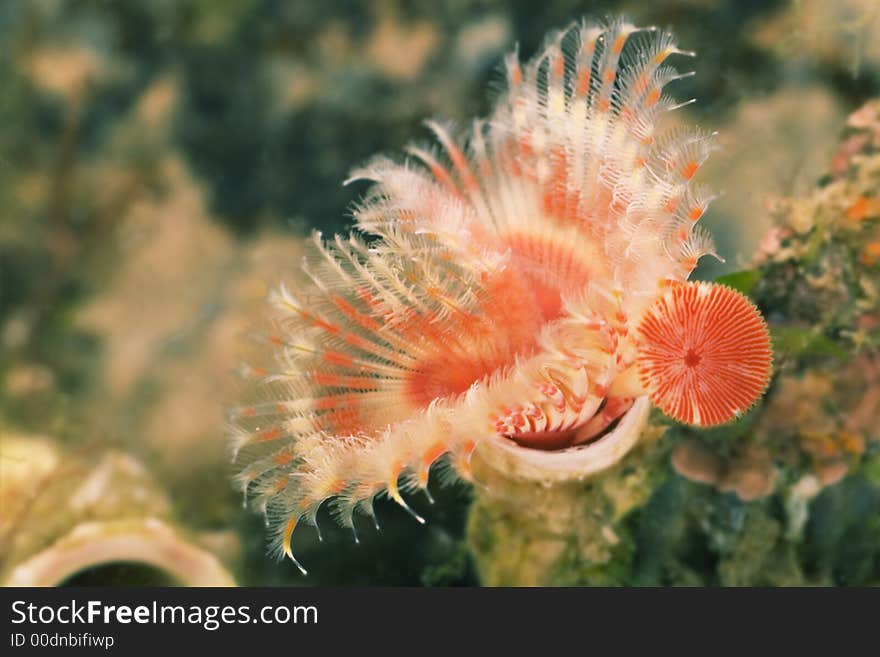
526,281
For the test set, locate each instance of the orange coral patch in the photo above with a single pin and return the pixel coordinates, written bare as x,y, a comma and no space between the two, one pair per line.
871,253
863,208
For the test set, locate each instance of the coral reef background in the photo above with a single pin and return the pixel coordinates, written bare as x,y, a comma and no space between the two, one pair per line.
161,163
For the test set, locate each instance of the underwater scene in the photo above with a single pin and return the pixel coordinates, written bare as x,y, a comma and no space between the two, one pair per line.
465,293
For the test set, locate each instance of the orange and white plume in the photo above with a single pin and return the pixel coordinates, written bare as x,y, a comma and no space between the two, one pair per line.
526,281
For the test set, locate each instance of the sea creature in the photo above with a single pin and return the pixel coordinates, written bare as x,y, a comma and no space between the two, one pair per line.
527,281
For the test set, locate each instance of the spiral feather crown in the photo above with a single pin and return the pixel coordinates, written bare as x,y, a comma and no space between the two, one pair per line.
525,281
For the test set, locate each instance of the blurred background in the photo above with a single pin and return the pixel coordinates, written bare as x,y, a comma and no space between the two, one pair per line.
160,164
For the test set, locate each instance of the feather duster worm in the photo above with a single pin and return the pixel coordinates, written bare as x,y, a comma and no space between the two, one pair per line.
526,283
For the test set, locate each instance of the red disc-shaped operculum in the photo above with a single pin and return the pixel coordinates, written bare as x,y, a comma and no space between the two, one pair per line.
704,354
